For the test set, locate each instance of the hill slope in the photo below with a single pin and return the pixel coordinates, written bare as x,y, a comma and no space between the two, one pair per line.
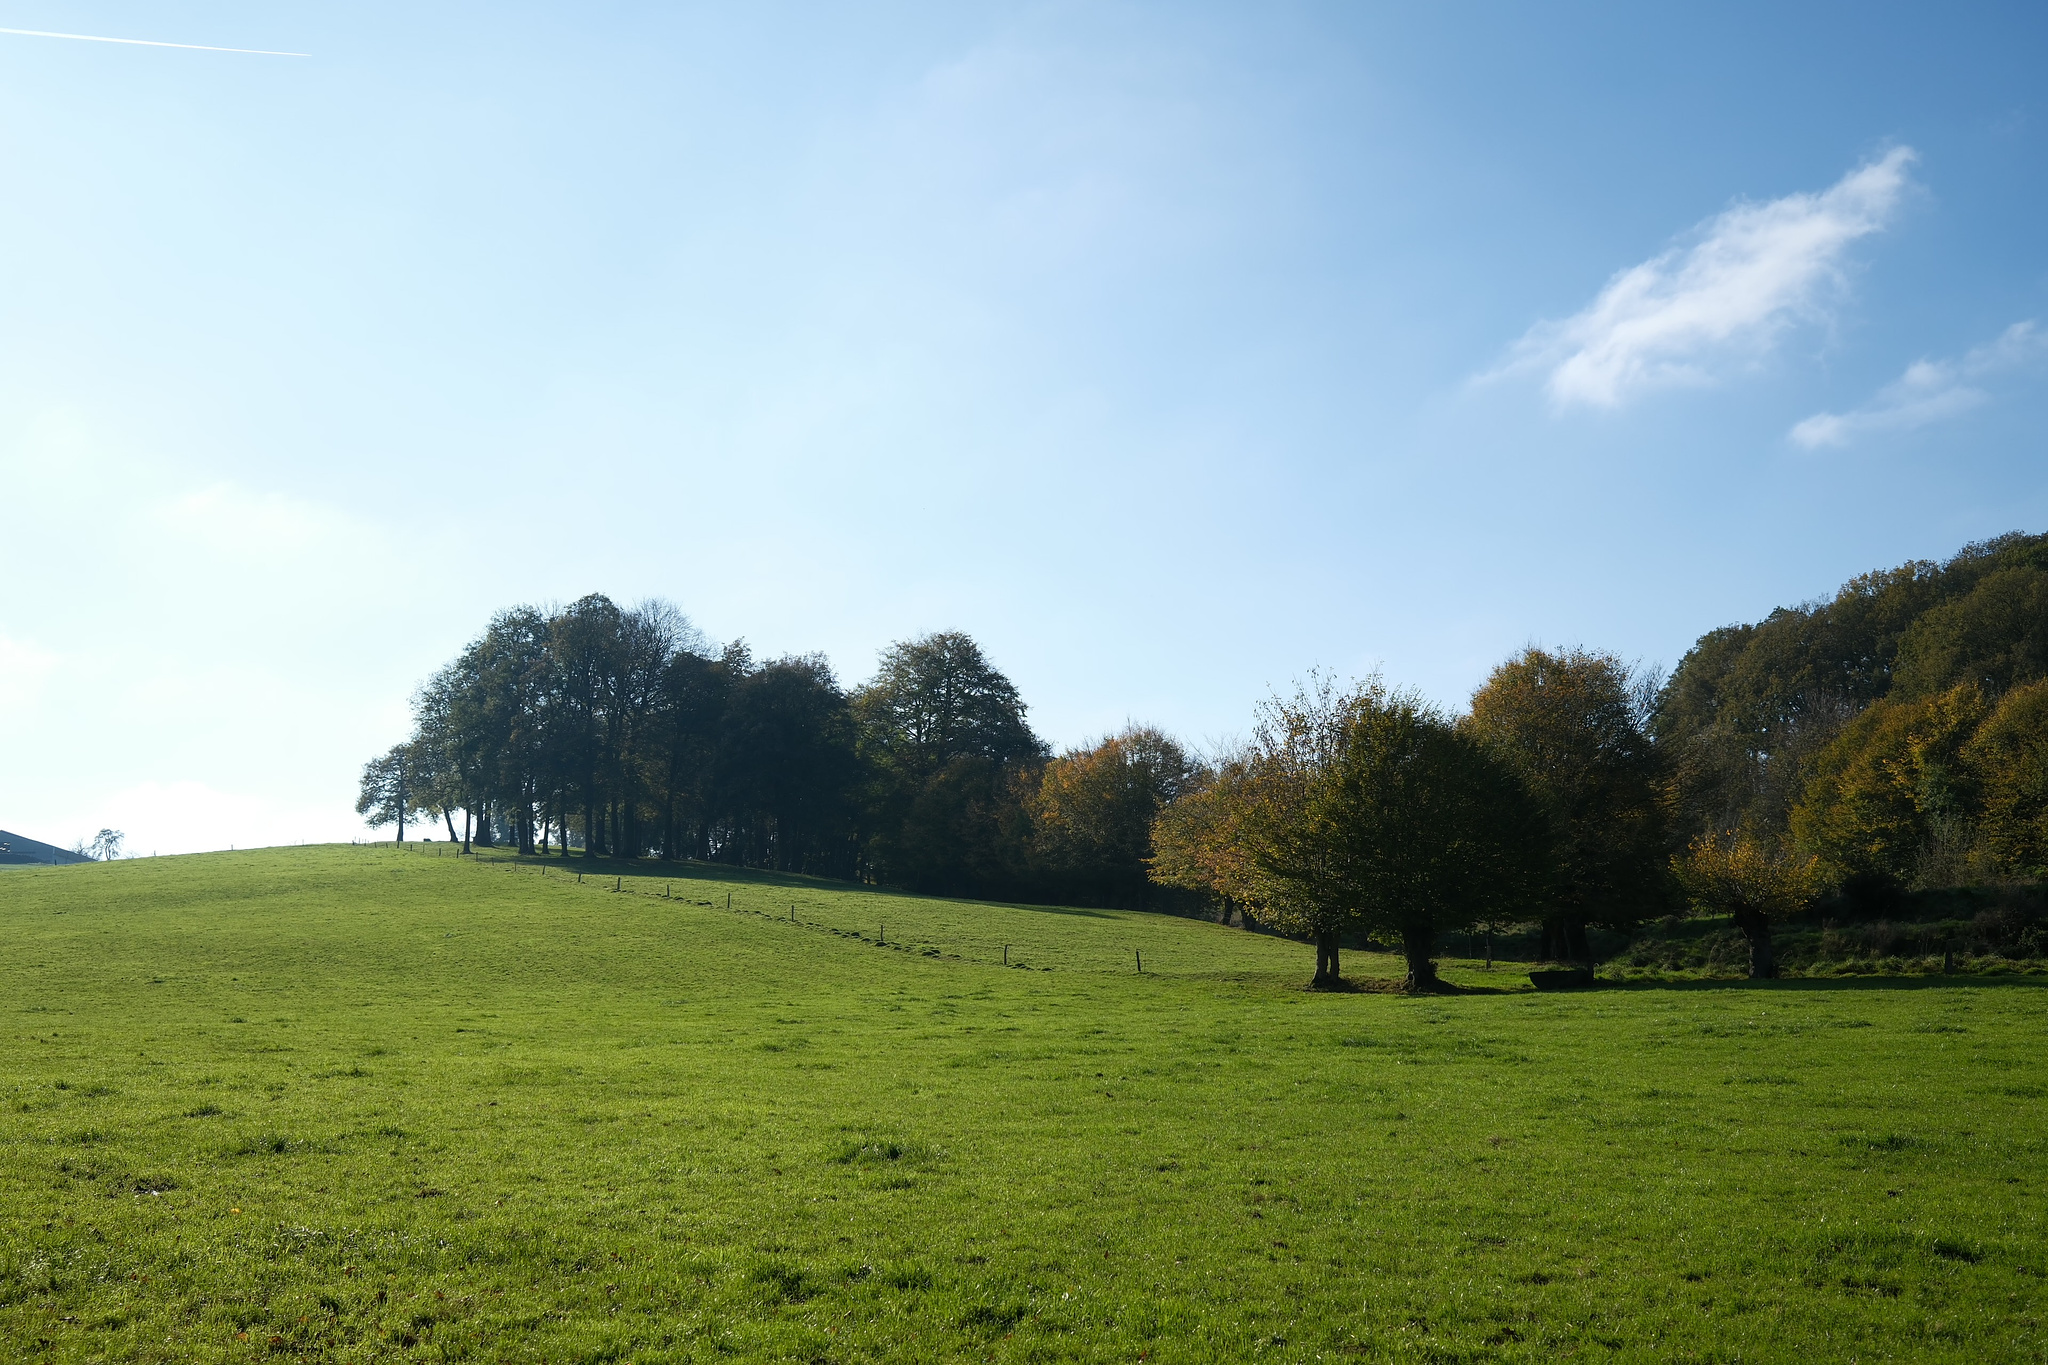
356,1104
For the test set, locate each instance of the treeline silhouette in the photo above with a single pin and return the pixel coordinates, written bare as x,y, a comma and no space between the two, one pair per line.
601,730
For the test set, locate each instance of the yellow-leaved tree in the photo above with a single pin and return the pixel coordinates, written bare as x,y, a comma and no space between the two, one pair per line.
1891,796
1754,880
2007,760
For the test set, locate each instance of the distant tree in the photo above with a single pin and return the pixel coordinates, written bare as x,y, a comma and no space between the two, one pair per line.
649,636
102,847
584,648
2007,763
1993,638
688,724
1363,809
1093,812
1750,707
1754,879
787,769
949,759
965,831
1417,826
1890,798
1201,842
387,794
938,697
1571,724
437,777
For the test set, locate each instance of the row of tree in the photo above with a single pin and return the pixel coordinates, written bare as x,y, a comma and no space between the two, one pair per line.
599,730
1892,738
1895,736
1369,811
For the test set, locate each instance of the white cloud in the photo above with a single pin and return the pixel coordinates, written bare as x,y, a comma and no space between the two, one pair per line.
1751,272
1928,391
23,667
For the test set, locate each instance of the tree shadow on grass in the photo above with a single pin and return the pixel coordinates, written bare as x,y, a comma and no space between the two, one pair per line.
655,870
1394,985
1838,983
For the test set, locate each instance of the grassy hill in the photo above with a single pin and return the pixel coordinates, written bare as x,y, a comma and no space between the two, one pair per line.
360,1104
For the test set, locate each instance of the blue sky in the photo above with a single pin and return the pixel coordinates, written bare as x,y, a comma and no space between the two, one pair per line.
1169,350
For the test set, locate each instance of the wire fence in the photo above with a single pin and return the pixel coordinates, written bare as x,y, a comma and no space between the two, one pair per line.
1014,937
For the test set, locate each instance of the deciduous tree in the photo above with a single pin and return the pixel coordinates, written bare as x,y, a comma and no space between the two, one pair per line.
2007,760
1571,724
1890,797
950,760
1362,809
1752,878
1094,809
387,794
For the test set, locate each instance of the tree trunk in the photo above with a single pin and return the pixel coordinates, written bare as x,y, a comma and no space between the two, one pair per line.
1576,946
449,816
1550,949
1418,946
1757,929
465,829
1329,967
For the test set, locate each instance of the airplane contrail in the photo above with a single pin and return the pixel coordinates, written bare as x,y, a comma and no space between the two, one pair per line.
144,42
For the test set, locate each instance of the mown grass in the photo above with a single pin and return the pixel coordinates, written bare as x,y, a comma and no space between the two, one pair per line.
356,1104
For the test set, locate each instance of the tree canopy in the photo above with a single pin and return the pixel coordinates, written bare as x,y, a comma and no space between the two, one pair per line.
1571,724
1852,725
1363,809
1750,705
1094,810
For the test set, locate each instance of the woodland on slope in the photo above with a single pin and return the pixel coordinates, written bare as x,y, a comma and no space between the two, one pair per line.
1891,738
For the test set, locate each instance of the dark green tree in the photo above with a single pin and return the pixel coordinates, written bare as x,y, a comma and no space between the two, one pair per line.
788,769
1993,638
1415,827
1571,725
949,761
584,648
387,796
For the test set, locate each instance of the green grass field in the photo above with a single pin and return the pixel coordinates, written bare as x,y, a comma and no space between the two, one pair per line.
359,1104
